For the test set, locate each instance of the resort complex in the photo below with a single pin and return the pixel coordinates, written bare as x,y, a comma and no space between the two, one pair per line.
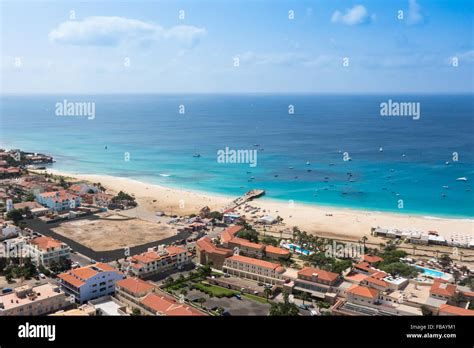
76,247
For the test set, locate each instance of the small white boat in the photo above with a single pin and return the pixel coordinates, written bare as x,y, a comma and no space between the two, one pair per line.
445,187
307,163
381,149
197,154
447,163
462,179
403,155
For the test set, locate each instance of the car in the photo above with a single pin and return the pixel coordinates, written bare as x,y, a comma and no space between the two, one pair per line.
42,276
93,261
303,306
238,296
226,275
260,284
7,290
313,312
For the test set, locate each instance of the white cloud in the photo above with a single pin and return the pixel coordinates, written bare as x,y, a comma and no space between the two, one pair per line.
114,31
414,13
356,15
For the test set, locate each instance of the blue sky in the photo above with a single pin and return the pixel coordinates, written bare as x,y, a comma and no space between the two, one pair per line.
133,46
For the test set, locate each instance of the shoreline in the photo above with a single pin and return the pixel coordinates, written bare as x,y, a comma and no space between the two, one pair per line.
343,222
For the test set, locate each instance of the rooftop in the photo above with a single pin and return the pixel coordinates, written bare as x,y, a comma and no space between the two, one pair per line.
260,263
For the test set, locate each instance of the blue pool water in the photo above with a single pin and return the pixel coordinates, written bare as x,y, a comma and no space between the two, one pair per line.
298,249
431,272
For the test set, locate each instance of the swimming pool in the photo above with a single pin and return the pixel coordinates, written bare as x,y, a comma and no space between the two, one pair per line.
431,272
297,249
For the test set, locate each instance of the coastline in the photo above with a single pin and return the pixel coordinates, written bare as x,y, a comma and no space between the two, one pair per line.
326,221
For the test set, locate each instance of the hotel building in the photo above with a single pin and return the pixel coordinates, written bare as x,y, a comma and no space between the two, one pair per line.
207,253
90,282
59,200
259,270
45,250
38,300
157,261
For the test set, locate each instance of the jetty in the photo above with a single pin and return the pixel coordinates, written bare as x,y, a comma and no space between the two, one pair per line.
252,194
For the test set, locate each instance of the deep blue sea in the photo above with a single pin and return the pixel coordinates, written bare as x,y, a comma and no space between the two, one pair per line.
161,143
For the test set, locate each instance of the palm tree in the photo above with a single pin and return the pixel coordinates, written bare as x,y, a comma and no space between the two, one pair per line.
364,239
201,300
268,292
461,254
414,250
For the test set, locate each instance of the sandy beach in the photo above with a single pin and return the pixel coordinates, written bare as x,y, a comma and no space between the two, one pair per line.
322,220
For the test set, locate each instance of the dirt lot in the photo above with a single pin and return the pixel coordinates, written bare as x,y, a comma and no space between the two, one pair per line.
102,235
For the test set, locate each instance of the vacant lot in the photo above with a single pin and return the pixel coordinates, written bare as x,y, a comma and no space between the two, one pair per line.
102,235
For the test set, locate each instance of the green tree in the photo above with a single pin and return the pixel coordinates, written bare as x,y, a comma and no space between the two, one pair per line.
16,215
284,309
268,292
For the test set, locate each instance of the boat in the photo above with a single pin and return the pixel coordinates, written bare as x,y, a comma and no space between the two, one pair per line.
290,167
307,163
462,179
447,163
197,154
445,187
403,155
381,149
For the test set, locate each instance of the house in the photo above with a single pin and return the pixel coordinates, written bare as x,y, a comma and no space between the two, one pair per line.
156,304
446,310
362,295
82,189
371,259
276,253
249,268
131,290
159,260
229,218
39,300
90,282
229,233
46,250
207,253
267,220
441,289
59,200
317,283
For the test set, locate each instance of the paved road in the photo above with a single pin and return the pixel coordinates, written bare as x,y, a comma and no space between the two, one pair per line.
103,256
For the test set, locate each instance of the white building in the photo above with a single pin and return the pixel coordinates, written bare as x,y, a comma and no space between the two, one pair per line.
59,200
157,261
90,282
45,250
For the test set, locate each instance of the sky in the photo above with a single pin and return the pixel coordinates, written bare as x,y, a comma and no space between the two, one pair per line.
265,46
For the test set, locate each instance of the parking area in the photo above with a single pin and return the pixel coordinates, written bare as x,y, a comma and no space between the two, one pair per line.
232,305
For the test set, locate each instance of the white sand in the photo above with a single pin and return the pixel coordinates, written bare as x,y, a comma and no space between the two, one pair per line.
349,223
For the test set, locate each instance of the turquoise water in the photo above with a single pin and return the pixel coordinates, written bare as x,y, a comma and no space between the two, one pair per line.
431,272
161,143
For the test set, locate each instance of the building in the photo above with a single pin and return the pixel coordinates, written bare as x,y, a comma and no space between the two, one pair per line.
158,260
362,295
371,259
259,270
446,309
207,253
276,253
108,306
38,300
131,290
59,200
246,247
156,304
442,289
85,310
90,282
46,250
317,283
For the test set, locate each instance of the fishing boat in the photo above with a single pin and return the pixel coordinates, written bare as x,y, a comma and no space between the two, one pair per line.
462,179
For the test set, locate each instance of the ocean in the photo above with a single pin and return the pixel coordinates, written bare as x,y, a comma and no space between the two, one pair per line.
397,164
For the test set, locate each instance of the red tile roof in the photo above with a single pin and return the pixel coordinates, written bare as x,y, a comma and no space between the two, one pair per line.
274,250
205,244
135,286
169,307
71,279
363,291
247,244
448,309
256,262
230,233
372,258
45,243
321,274
442,288
375,281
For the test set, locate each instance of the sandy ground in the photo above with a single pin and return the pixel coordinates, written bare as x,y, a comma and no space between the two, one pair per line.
114,234
343,223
